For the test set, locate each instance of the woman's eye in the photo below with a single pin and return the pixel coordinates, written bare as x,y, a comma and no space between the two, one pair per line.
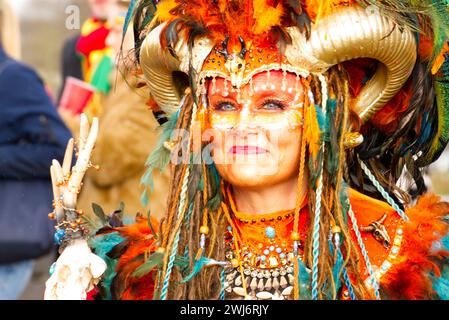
225,106
273,106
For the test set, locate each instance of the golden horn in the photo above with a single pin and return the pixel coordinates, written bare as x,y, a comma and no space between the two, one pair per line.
351,33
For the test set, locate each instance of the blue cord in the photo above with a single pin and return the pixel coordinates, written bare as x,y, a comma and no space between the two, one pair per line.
363,249
222,278
384,193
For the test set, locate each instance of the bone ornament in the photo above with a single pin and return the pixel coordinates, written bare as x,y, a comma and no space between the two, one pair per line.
76,273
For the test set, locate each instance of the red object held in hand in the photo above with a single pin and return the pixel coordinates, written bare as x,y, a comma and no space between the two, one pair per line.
76,95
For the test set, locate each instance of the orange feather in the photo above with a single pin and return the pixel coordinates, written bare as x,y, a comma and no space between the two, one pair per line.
409,277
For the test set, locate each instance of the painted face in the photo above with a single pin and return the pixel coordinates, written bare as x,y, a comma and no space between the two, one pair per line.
256,131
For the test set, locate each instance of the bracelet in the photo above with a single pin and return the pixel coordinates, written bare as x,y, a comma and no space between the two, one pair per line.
68,230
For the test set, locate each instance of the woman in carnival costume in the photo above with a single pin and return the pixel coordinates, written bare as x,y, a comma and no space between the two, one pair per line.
295,132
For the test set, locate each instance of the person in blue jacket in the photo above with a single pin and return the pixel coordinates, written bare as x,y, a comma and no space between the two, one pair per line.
31,135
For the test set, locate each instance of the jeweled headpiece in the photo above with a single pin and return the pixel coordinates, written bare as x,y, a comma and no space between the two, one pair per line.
347,33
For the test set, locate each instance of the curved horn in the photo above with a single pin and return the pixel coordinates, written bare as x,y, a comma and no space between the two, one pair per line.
355,32
159,66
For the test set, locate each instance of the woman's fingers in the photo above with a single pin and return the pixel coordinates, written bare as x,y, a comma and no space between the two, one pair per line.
67,164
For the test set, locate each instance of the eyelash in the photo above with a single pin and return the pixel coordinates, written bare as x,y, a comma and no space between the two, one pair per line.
281,105
276,102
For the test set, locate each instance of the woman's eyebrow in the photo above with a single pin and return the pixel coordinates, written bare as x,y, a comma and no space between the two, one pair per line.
275,94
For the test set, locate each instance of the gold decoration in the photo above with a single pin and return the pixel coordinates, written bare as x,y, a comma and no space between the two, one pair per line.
348,34
353,140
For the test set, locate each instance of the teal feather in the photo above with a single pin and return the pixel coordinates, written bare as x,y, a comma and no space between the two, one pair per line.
337,269
102,245
441,284
331,136
129,16
321,119
214,180
197,267
305,292
159,158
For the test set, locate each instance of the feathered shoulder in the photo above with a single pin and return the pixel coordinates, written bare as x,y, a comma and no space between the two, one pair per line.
130,251
421,270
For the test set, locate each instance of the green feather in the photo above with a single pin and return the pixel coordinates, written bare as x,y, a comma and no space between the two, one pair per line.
441,137
158,159
155,260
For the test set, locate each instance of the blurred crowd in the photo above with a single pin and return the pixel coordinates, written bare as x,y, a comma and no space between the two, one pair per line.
99,79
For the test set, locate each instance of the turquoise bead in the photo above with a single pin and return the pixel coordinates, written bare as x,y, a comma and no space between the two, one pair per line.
59,236
279,250
271,248
263,258
282,255
266,252
270,232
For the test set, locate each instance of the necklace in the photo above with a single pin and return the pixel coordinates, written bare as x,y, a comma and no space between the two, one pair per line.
261,254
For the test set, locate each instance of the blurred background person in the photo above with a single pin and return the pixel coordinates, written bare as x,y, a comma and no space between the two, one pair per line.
31,135
126,137
86,56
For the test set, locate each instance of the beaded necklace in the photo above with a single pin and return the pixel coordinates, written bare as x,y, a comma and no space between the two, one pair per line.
261,253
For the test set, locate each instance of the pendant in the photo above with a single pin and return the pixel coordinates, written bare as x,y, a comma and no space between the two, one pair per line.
270,232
